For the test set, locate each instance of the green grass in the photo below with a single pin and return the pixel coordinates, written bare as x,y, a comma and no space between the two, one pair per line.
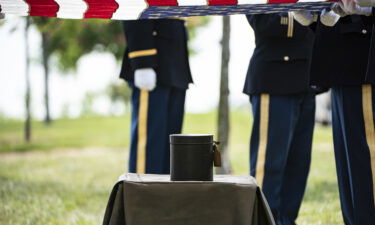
57,187
66,174
66,133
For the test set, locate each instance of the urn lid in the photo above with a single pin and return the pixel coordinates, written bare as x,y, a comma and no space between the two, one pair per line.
191,139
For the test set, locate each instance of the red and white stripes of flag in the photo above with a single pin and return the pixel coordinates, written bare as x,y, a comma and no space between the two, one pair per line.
112,9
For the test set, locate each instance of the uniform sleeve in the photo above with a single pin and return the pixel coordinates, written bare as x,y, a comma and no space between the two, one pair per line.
142,51
268,24
260,21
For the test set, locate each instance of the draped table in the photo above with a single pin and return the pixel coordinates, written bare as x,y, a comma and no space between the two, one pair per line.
155,200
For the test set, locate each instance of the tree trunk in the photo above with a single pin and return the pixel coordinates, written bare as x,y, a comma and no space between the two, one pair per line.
28,92
223,117
47,119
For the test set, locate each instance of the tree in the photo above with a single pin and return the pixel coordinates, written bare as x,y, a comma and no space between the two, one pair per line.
223,117
28,86
45,58
69,40
27,99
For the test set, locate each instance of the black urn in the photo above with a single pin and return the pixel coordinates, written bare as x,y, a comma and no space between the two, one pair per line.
192,157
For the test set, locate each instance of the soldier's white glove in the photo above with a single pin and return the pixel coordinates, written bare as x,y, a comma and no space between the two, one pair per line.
329,18
350,7
336,8
366,3
145,79
305,18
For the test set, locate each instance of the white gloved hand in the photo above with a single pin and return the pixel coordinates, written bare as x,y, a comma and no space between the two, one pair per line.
145,79
366,3
336,8
329,18
350,7
305,18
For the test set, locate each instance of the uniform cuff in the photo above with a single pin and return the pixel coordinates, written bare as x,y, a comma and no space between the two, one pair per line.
142,53
143,58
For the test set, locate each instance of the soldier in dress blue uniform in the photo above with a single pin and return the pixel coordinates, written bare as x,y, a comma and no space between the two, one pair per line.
283,108
157,69
340,60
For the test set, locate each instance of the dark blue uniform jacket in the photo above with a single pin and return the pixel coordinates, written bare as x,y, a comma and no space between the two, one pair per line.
160,44
280,62
341,53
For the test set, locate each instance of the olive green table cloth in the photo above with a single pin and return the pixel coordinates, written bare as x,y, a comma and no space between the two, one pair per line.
155,200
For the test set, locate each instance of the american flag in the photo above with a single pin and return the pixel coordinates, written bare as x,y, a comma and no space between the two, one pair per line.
143,9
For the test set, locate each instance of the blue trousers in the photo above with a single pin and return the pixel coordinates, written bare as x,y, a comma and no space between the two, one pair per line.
155,115
280,150
354,144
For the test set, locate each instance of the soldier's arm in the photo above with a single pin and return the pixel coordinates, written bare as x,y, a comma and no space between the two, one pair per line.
263,22
139,36
269,24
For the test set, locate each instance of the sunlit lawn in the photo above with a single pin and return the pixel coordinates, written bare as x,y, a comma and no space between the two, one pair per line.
66,174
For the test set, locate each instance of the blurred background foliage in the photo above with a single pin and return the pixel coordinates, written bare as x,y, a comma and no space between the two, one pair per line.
69,40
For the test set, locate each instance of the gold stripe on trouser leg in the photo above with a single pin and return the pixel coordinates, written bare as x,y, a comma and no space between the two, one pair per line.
142,131
368,117
263,137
